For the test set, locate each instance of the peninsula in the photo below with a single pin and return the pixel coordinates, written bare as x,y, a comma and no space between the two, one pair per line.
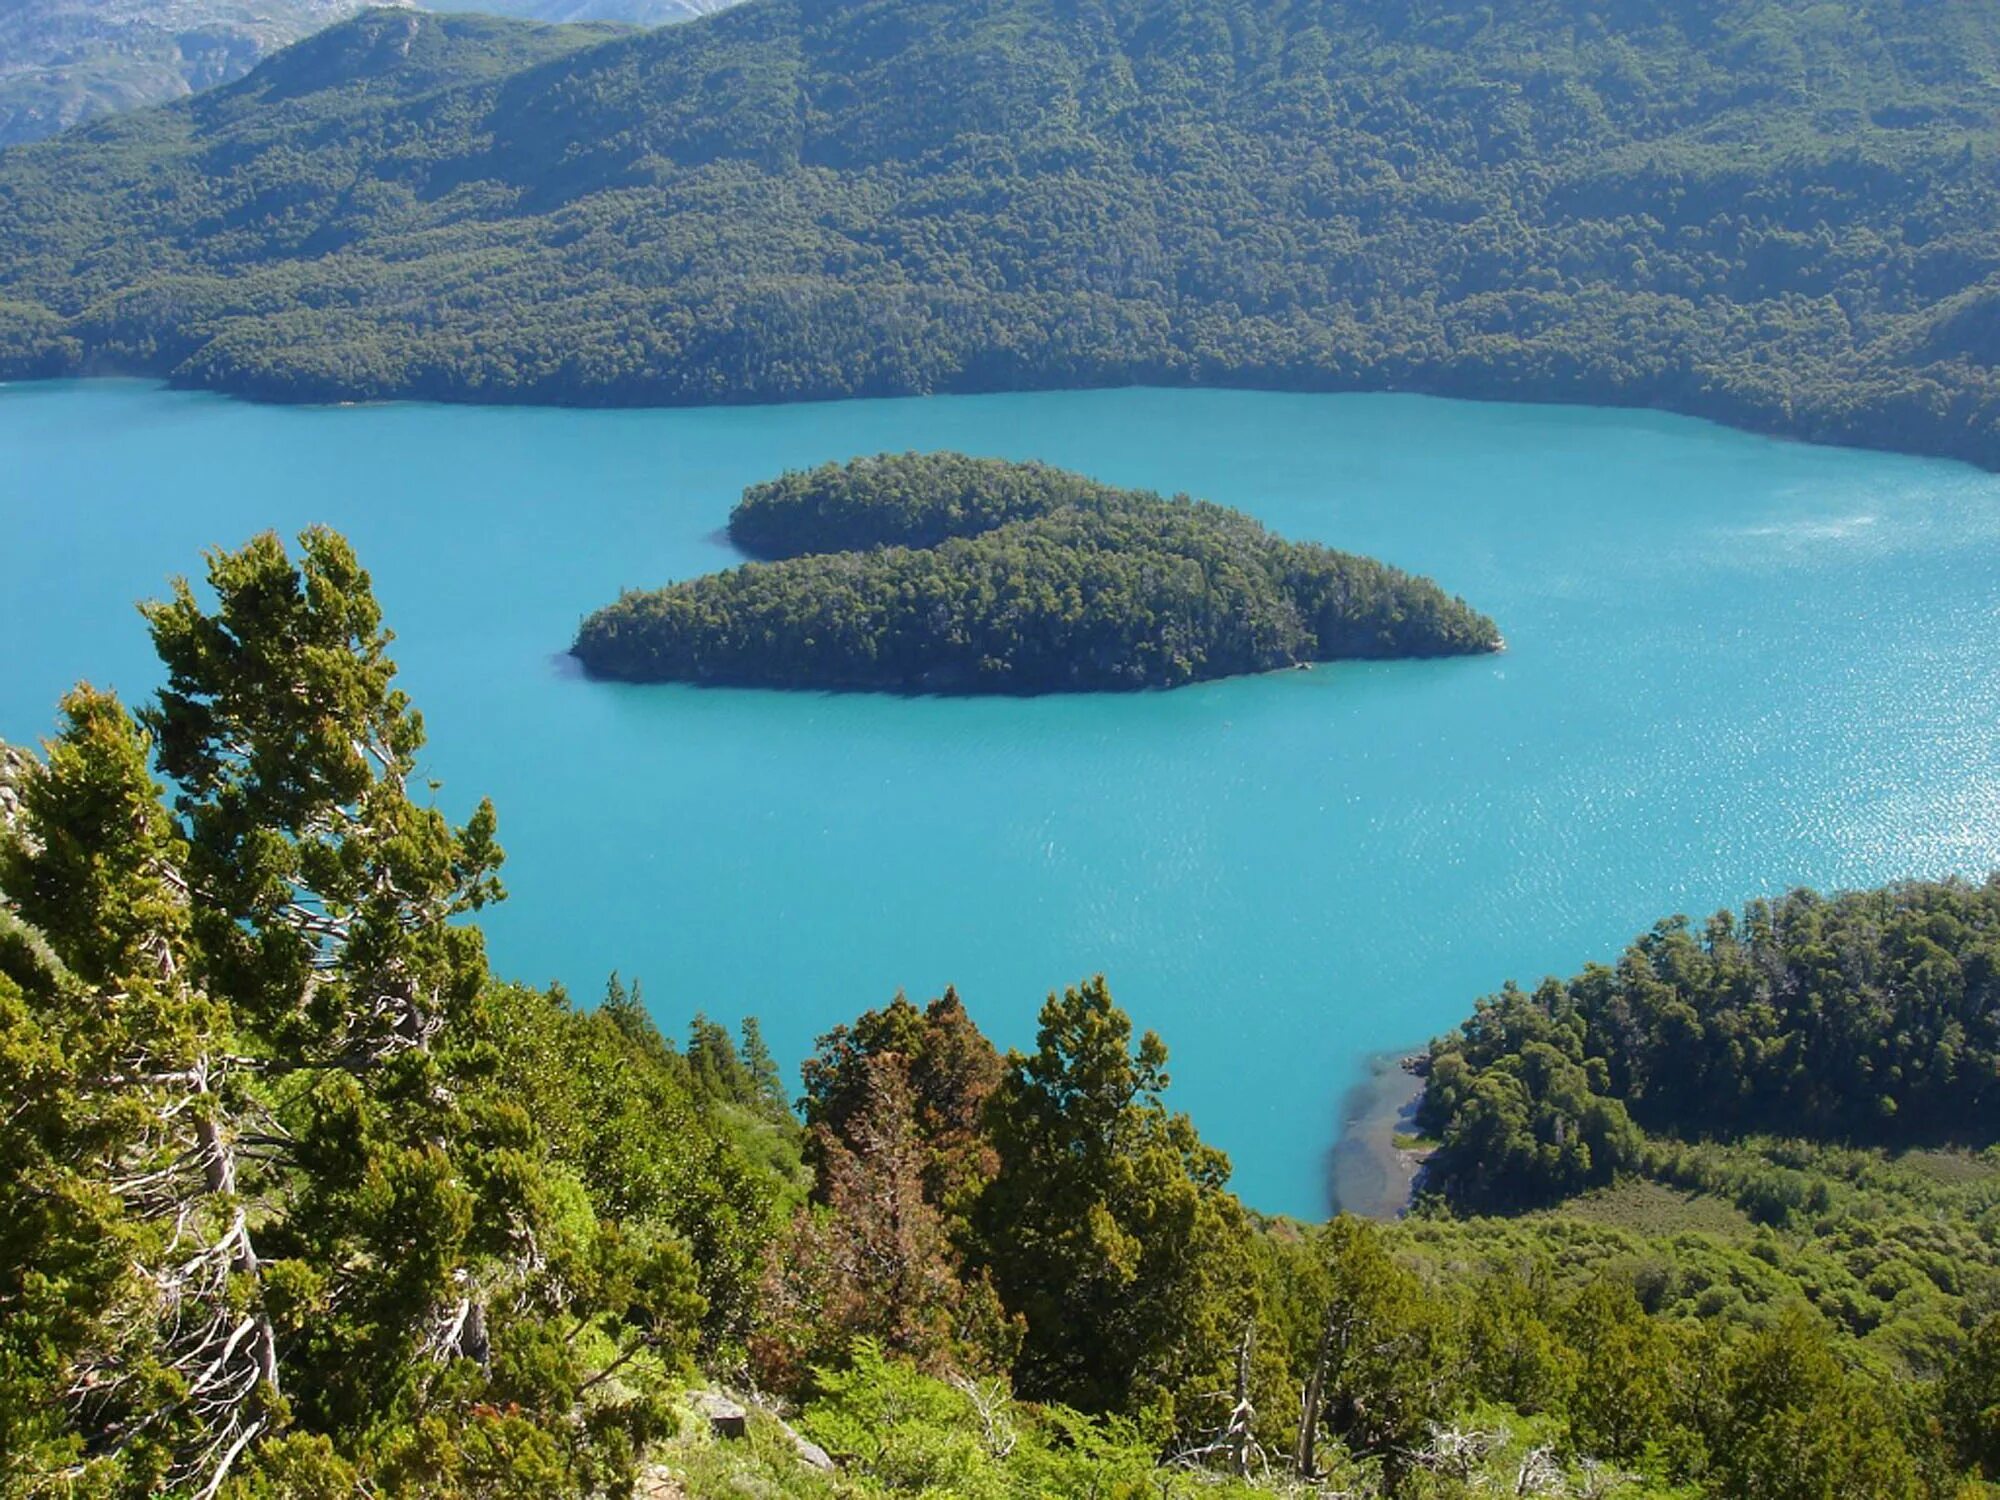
944,573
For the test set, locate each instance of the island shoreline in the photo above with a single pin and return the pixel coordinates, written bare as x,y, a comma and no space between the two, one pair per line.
1370,1172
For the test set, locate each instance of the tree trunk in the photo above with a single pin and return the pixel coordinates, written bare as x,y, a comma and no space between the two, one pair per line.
474,1343
1306,1460
1243,1414
218,1170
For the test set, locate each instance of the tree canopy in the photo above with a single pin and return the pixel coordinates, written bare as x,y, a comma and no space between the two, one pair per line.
959,574
280,1210
297,1199
1772,212
1871,1018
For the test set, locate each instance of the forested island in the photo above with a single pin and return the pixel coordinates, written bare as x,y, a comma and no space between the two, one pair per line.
299,1199
1771,212
948,574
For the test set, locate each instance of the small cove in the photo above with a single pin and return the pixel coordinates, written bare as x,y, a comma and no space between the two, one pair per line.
1734,665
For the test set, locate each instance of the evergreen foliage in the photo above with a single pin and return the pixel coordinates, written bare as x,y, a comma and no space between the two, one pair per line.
904,500
297,1199
1871,1017
283,1219
973,575
1768,211
951,1071
1106,1225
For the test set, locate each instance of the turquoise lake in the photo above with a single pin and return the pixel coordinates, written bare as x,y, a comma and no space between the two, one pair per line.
1734,665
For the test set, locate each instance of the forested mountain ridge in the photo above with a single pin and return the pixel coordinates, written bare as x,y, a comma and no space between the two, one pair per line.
1776,213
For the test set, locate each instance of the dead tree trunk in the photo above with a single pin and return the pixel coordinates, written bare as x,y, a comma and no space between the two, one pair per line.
474,1343
218,1167
1244,1414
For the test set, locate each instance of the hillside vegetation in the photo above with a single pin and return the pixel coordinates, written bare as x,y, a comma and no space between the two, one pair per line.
639,12
1871,1018
298,1199
1776,212
943,573
1811,1081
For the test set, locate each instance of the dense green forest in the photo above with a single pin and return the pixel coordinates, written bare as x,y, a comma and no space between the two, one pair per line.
1871,1018
1774,212
943,573
298,1199
905,500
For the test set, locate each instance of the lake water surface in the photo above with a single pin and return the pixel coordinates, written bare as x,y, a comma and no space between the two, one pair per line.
1734,665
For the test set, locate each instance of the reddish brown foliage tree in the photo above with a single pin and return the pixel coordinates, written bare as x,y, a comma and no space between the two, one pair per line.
894,1106
950,1069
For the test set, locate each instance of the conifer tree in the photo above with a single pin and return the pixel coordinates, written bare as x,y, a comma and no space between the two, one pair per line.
951,1070
874,1258
182,1373
323,898
326,888
278,1219
1107,1226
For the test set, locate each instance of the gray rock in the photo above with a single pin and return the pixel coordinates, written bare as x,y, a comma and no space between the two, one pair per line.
810,1453
726,1418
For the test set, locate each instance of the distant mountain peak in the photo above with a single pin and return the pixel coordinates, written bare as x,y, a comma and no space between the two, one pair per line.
63,62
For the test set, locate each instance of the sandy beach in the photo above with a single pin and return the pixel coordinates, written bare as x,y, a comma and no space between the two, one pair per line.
1367,1172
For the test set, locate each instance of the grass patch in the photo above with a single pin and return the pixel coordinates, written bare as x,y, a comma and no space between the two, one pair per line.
1951,1168
1651,1208
696,1465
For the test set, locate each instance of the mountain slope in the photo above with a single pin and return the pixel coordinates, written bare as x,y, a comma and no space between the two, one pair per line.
62,61
1774,212
66,61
